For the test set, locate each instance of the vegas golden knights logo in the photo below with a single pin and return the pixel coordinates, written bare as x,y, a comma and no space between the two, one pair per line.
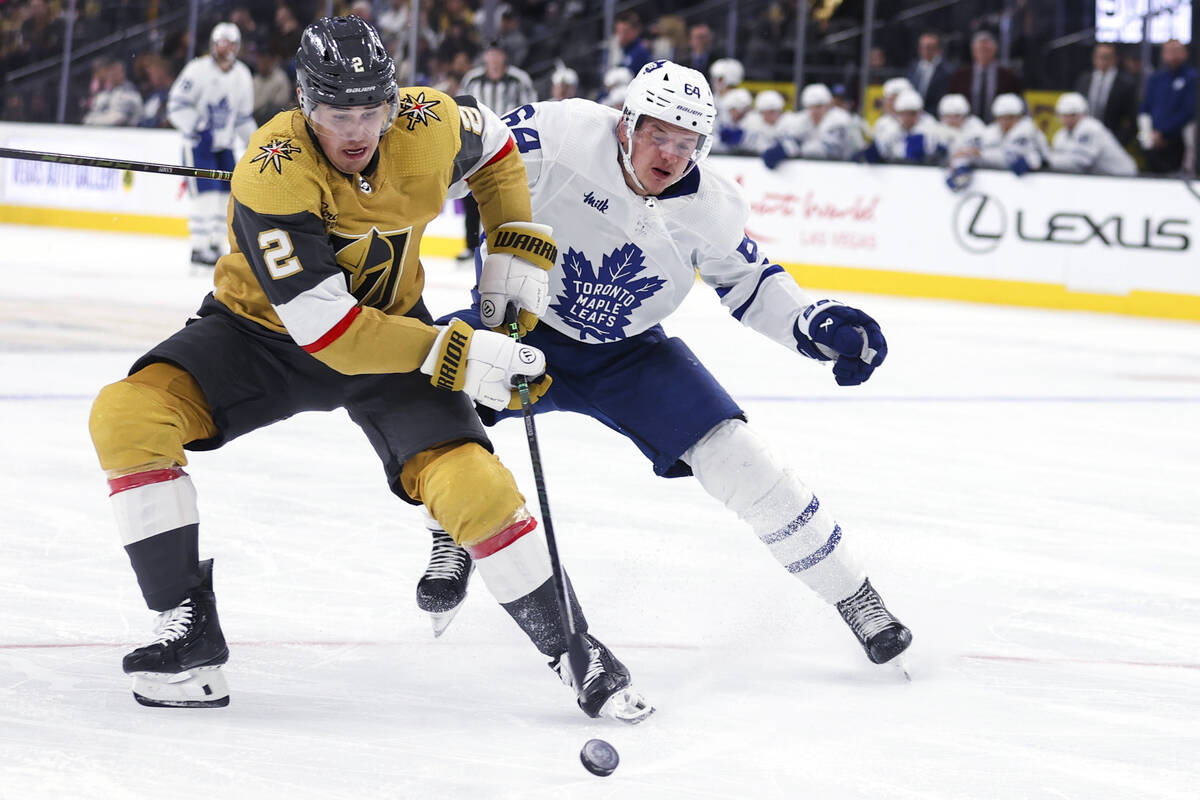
373,262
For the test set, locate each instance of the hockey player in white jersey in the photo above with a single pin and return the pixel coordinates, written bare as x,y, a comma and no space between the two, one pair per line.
212,103
773,132
915,138
833,133
960,128
887,123
1083,144
637,217
1013,141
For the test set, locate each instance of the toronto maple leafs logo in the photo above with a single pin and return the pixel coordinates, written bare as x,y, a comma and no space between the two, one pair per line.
598,303
418,110
274,153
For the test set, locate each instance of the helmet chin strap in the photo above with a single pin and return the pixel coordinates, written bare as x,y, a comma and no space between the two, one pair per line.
626,151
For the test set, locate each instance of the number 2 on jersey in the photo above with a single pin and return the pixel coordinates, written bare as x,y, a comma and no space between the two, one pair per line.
277,252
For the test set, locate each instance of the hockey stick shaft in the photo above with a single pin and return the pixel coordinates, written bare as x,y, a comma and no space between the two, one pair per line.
112,163
576,652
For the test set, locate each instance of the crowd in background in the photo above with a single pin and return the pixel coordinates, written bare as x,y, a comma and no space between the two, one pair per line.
557,48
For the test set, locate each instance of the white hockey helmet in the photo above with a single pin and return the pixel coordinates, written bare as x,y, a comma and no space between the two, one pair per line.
896,86
1008,105
225,32
728,71
565,76
738,99
908,100
674,94
769,100
617,76
1071,103
815,94
953,104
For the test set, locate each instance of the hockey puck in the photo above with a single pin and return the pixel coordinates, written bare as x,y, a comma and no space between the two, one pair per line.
599,757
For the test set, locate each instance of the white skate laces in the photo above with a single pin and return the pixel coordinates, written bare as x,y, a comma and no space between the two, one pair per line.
867,615
446,560
173,624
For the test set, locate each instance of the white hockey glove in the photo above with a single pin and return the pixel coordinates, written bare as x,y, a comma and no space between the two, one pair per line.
517,272
483,364
832,331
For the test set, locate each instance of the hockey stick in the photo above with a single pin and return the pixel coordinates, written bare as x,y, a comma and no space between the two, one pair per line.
111,163
576,652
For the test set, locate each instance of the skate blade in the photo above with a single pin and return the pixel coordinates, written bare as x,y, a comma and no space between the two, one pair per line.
626,705
203,687
441,620
900,664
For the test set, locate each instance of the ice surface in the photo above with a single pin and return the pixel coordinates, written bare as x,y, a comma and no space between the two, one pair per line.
1022,486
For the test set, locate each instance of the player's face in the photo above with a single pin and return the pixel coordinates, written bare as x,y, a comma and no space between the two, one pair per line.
817,113
1007,121
1069,121
954,120
224,52
908,119
661,153
349,136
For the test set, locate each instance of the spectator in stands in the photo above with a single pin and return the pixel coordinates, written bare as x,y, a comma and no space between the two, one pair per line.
960,128
563,83
363,10
1084,144
287,32
929,74
41,34
1168,106
700,54
625,47
273,89
732,108
830,131
1111,93
916,137
114,100
512,39
154,75
669,37
1012,142
501,87
393,24
983,79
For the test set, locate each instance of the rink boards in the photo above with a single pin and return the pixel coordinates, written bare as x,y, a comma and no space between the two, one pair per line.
1120,245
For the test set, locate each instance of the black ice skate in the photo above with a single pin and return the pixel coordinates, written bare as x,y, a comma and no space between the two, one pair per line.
181,668
607,688
205,259
882,635
443,587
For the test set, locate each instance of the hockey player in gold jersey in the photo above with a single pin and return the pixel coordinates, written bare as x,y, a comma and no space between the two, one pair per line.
317,307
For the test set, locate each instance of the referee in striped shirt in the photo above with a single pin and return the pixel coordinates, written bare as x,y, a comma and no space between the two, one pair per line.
501,88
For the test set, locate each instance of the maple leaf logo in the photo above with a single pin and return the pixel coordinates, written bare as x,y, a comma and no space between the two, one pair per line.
274,153
599,304
418,110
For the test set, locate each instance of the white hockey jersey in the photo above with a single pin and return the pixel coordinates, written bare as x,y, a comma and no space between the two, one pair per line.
1092,148
626,262
789,128
892,141
1025,139
206,98
837,136
969,134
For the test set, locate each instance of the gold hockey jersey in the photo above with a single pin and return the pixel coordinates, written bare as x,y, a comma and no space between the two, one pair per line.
334,259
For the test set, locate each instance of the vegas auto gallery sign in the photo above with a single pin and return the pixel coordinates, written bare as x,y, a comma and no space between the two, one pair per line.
1086,233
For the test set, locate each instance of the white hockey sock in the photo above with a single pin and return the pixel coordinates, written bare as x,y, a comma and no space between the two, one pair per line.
512,563
153,502
736,466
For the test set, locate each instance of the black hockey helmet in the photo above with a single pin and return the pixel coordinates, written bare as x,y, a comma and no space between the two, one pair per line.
342,62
